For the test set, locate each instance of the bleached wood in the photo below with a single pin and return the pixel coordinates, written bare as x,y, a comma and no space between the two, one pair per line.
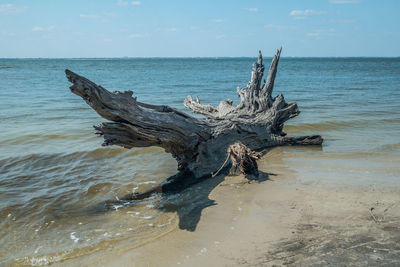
198,145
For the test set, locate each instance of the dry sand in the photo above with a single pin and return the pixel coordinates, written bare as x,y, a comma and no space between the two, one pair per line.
289,219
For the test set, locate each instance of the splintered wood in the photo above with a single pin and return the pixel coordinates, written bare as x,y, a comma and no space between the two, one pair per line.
242,157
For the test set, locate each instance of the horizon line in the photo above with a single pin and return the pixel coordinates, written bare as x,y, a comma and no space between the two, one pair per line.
192,57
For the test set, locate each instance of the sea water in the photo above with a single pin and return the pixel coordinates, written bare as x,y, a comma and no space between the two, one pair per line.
55,176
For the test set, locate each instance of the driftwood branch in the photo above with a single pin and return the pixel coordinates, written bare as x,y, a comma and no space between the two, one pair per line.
198,145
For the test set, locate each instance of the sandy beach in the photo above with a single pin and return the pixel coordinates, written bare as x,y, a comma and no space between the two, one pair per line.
288,217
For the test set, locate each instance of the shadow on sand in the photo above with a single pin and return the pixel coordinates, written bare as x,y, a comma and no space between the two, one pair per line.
188,203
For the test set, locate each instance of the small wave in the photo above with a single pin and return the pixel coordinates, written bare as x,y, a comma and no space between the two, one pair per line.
35,138
335,125
187,85
148,182
384,152
126,238
58,118
389,148
13,117
329,125
99,188
390,120
73,237
49,161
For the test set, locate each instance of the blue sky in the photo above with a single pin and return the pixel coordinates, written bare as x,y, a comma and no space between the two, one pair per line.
178,28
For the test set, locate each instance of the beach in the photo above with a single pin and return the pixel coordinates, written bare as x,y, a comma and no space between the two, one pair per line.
294,218
332,204
199,133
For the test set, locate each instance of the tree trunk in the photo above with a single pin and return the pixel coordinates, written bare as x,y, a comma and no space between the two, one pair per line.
198,145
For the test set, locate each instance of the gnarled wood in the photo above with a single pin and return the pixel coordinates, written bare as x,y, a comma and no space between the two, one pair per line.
243,158
198,145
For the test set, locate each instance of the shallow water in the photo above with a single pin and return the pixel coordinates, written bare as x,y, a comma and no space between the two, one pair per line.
54,174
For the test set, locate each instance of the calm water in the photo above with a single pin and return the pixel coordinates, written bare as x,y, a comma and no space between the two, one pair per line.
54,172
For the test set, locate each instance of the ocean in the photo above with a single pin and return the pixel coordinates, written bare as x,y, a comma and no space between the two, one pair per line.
54,173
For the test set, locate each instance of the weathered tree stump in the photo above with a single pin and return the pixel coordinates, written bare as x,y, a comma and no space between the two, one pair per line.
198,145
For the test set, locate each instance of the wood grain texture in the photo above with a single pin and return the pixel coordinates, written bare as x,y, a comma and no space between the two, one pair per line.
198,145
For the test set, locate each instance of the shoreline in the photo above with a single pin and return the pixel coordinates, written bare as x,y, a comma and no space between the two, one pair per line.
290,218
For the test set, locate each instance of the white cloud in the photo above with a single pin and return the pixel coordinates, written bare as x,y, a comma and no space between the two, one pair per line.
37,29
172,30
339,2
218,20
313,34
89,16
107,40
306,12
42,29
122,3
302,14
126,3
277,27
104,17
251,9
322,33
138,35
11,9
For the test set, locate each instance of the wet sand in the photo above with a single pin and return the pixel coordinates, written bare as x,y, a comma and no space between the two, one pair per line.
291,216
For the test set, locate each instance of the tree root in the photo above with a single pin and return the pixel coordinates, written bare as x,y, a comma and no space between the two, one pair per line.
242,157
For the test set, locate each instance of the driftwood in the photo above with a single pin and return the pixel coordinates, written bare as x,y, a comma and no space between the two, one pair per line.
198,145
242,157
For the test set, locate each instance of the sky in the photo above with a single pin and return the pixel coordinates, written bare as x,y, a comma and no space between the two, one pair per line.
202,28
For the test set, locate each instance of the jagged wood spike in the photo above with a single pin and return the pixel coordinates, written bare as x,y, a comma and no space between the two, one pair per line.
269,84
254,100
